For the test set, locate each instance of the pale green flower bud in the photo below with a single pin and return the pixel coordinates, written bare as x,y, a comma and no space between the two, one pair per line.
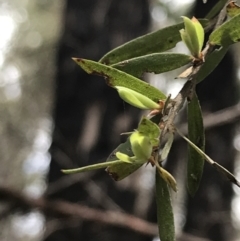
124,157
136,99
193,36
141,146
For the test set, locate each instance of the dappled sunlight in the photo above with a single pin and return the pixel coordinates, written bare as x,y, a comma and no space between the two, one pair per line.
32,228
10,83
7,29
27,50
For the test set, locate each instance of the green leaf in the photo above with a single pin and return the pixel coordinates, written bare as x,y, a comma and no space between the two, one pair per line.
91,167
156,63
227,34
155,42
216,9
158,41
166,176
211,63
165,217
122,170
149,129
196,135
116,77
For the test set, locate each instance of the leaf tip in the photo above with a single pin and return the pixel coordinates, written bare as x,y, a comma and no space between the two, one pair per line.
194,19
237,183
65,171
113,175
77,60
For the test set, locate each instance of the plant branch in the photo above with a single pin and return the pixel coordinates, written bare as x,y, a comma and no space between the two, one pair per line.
214,164
218,118
189,87
59,208
221,16
68,213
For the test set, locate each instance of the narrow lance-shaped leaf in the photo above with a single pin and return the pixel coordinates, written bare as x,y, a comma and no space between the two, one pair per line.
116,77
216,9
227,34
158,41
117,169
211,63
166,176
196,135
214,164
156,63
91,167
155,42
165,217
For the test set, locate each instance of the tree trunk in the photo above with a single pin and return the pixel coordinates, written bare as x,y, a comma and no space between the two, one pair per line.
89,116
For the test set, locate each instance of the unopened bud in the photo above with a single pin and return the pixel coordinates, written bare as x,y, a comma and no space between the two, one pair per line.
193,36
124,157
141,146
136,99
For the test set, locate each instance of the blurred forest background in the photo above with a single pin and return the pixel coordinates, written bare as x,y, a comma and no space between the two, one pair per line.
54,116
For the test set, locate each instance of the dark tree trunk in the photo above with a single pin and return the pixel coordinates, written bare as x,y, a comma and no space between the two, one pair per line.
88,115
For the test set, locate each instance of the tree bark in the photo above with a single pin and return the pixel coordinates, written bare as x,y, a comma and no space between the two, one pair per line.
88,115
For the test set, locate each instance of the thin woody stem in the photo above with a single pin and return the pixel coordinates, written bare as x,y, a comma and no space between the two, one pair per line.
189,87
